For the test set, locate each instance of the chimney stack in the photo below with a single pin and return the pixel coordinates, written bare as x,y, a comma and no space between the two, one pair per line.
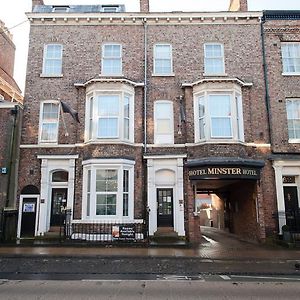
144,6
37,2
238,5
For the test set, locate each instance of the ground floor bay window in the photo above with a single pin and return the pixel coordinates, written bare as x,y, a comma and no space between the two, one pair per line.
108,190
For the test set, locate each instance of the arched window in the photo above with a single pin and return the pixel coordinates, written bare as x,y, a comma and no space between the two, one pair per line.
60,176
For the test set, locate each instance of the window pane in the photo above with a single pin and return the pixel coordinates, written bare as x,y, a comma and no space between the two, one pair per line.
221,127
293,116
49,132
125,205
108,127
112,50
163,110
163,51
53,60
112,66
163,126
219,105
108,105
126,129
125,181
107,180
53,51
50,111
106,204
60,176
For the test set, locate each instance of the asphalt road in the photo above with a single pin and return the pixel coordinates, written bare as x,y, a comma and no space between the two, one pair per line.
161,289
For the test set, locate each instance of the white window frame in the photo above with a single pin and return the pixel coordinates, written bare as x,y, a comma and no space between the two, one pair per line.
41,122
91,134
108,164
293,100
287,44
155,72
103,58
237,124
46,74
167,138
206,72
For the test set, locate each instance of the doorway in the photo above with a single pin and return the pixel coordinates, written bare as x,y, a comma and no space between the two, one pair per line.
28,217
58,202
291,206
165,216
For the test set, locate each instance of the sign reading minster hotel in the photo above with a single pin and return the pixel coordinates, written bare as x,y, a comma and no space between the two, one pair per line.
215,172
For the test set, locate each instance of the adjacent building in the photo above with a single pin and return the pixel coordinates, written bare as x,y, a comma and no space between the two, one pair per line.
11,101
131,118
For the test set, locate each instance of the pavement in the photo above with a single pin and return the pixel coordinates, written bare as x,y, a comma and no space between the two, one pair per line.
220,253
216,245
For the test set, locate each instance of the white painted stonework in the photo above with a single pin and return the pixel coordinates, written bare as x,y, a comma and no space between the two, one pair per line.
166,172
285,168
50,164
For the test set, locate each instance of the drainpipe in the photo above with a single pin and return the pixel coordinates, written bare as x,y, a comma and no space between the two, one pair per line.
266,81
14,112
145,85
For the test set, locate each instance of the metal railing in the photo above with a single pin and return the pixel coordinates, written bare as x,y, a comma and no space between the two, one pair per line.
106,232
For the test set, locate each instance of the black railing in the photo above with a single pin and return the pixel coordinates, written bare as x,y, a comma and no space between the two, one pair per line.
292,219
107,232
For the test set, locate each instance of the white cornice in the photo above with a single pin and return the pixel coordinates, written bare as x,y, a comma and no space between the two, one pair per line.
218,79
167,18
109,80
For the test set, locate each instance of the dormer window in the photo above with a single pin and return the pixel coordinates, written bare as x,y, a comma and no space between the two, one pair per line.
110,9
60,8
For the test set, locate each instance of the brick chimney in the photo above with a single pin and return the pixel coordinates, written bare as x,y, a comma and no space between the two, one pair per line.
144,5
238,5
37,2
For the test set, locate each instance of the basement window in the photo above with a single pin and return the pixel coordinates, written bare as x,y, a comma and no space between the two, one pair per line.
60,8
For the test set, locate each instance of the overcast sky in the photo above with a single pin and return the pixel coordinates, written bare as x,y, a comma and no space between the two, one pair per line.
12,13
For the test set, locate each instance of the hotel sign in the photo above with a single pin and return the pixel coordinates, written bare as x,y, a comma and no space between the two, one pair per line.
224,172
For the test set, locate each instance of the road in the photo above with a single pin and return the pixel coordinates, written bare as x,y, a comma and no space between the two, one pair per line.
165,289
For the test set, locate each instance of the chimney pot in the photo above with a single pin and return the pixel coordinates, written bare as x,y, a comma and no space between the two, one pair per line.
37,2
238,5
144,6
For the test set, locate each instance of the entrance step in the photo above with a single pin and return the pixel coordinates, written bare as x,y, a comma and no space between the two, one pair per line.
165,232
55,229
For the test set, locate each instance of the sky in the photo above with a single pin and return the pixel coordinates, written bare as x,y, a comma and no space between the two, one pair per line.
12,13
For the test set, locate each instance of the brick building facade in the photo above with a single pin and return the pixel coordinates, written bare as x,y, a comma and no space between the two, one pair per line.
10,121
170,105
281,31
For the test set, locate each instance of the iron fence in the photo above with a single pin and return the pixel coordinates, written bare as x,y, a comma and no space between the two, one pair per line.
106,232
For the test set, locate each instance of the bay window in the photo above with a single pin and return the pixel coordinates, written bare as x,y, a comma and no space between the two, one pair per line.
218,115
108,189
109,116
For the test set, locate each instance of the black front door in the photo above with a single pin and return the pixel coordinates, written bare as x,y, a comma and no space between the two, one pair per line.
28,217
59,200
164,207
291,207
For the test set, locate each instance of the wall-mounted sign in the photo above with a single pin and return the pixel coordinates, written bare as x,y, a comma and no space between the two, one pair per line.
3,170
123,232
224,172
29,207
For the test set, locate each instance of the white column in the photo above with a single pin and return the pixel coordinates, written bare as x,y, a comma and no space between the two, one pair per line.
151,197
44,200
280,197
180,199
71,186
